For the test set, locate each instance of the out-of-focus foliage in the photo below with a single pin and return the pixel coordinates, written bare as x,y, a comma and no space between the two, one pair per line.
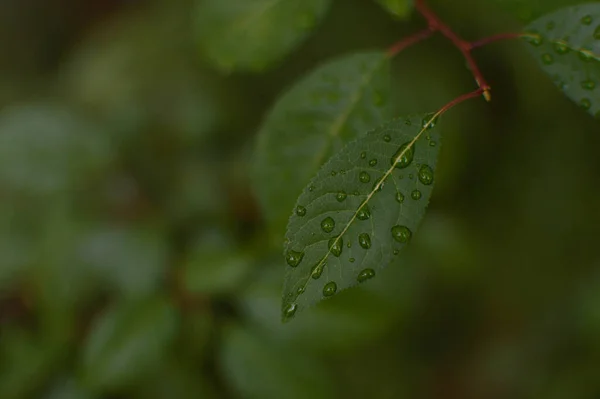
136,261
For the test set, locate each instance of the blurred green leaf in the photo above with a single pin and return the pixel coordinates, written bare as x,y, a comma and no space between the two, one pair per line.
566,44
26,362
47,149
127,343
210,271
333,105
398,8
252,35
68,388
131,260
258,368
360,210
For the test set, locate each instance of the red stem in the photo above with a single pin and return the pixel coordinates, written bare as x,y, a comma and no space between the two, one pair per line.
476,93
465,47
495,38
409,41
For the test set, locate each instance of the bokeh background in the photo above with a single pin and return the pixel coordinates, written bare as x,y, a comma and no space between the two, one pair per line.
134,262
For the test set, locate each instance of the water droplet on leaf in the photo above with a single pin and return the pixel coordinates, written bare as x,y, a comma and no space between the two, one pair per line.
588,85
363,155
587,20
561,48
330,288
351,260
290,310
341,196
364,240
293,258
335,246
428,121
328,224
311,188
401,234
372,162
399,197
426,175
300,210
364,177
365,275
404,156
317,270
416,195
363,213
547,59
300,290
585,103
387,138
534,40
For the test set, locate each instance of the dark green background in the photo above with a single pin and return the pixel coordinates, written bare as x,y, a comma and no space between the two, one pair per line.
134,262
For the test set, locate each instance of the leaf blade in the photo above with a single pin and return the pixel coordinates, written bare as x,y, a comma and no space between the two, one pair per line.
342,240
251,35
566,44
331,106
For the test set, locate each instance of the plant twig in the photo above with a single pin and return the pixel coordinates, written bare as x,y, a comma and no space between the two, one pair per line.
465,47
409,41
492,39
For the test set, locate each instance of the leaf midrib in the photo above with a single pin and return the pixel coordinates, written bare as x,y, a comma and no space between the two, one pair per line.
371,194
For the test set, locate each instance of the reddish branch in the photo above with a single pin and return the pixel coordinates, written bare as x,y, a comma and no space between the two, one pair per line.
465,47
410,40
495,38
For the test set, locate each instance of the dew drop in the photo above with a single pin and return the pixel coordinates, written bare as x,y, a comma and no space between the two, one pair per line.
328,224
561,48
416,195
387,138
597,33
547,59
588,85
432,143
335,246
426,175
585,56
311,188
364,240
333,173
290,310
585,103
363,155
379,184
372,162
294,258
363,213
300,210
317,270
534,40
428,121
349,245
351,260
399,197
404,156
401,234
407,122
300,290
396,252
330,288
587,20
365,275
364,177
341,196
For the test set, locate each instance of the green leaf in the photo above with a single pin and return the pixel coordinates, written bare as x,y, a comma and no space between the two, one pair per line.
259,368
527,10
359,211
253,34
127,343
567,45
398,8
330,107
